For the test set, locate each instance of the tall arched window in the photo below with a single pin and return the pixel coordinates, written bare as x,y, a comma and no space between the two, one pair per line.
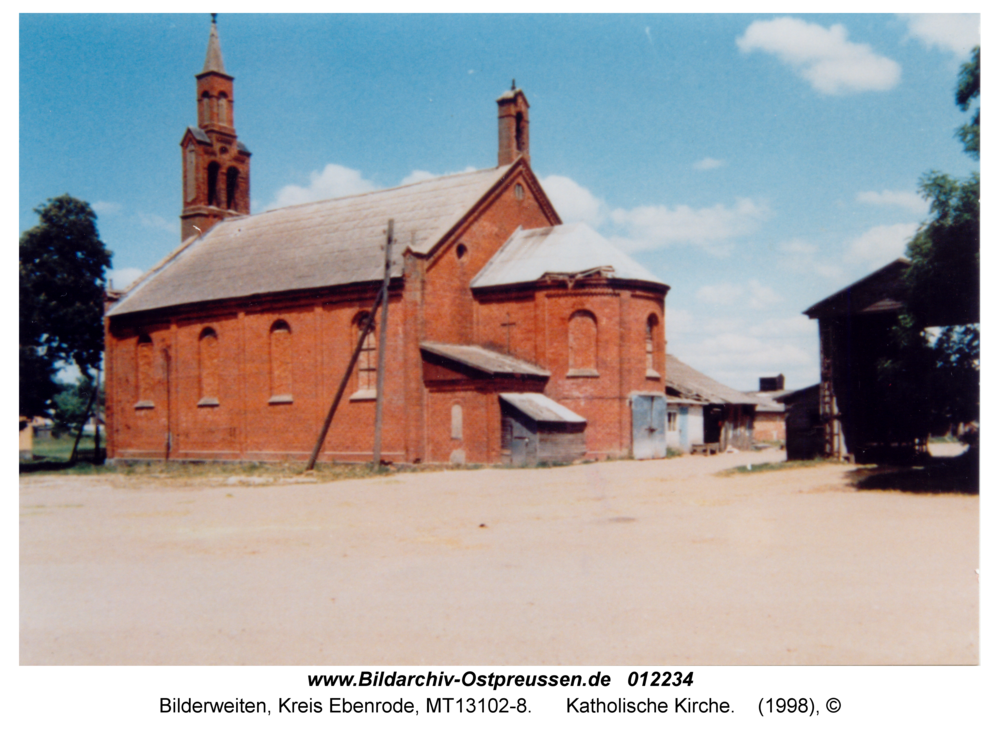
652,339
208,368
144,372
281,363
456,421
223,110
582,344
213,181
232,181
203,110
367,366
190,171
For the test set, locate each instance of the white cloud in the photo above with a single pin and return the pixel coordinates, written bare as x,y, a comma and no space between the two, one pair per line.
822,56
791,327
154,221
119,279
655,227
755,295
955,32
797,246
419,175
880,244
708,164
904,199
573,202
106,208
334,181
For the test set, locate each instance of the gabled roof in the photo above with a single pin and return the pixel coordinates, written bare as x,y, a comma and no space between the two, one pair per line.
883,291
695,385
311,245
483,359
542,409
568,251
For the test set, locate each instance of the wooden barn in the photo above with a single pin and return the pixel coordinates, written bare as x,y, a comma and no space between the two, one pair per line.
855,327
803,423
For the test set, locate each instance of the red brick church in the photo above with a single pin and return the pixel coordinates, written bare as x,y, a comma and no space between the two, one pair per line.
511,337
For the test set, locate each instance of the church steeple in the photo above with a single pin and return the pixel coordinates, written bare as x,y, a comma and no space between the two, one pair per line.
216,165
512,115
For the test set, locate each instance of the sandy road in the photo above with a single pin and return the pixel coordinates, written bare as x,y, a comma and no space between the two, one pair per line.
657,562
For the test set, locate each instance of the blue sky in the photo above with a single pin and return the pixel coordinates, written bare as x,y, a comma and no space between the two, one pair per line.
756,163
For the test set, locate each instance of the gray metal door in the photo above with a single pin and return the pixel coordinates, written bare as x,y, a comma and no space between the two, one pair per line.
519,451
649,426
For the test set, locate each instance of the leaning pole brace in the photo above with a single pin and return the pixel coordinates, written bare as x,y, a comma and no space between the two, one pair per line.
86,416
369,324
380,378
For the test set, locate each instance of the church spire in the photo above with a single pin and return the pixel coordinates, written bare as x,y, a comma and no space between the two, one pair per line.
216,166
213,56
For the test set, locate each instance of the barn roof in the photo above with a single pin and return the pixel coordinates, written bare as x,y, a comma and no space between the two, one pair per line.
542,409
883,291
483,359
695,385
568,251
311,245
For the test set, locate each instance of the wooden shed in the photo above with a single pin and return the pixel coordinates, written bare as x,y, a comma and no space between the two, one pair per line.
536,429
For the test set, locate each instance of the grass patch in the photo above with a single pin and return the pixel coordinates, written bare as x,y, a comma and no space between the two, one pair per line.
769,467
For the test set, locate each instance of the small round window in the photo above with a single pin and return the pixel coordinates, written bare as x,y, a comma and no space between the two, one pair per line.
519,192
461,250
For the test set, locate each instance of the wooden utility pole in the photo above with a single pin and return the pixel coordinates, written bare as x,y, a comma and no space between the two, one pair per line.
380,378
369,324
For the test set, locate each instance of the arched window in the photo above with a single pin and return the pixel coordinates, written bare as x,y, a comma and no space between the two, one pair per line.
213,181
223,110
519,132
367,366
208,368
232,181
456,421
203,110
281,363
582,344
652,339
190,173
144,372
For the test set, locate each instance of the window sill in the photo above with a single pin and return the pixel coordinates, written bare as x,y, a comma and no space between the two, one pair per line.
582,374
650,374
364,395
145,404
208,402
280,399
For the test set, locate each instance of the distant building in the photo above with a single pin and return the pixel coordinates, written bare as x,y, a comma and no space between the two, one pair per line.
725,416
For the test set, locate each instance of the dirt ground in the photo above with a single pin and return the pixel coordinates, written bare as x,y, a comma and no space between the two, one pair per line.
653,563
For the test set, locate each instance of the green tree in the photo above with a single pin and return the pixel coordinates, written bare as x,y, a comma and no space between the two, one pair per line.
931,380
71,402
61,277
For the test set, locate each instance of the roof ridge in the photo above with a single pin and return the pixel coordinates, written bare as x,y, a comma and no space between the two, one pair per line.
381,190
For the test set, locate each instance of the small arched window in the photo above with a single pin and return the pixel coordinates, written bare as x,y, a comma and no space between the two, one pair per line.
204,115
208,368
213,182
582,344
652,339
367,366
456,421
190,173
223,110
144,372
232,182
520,133
281,363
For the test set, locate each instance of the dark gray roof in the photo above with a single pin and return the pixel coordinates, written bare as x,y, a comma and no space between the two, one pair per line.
483,359
695,385
542,409
568,251
883,291
199,135
310,245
